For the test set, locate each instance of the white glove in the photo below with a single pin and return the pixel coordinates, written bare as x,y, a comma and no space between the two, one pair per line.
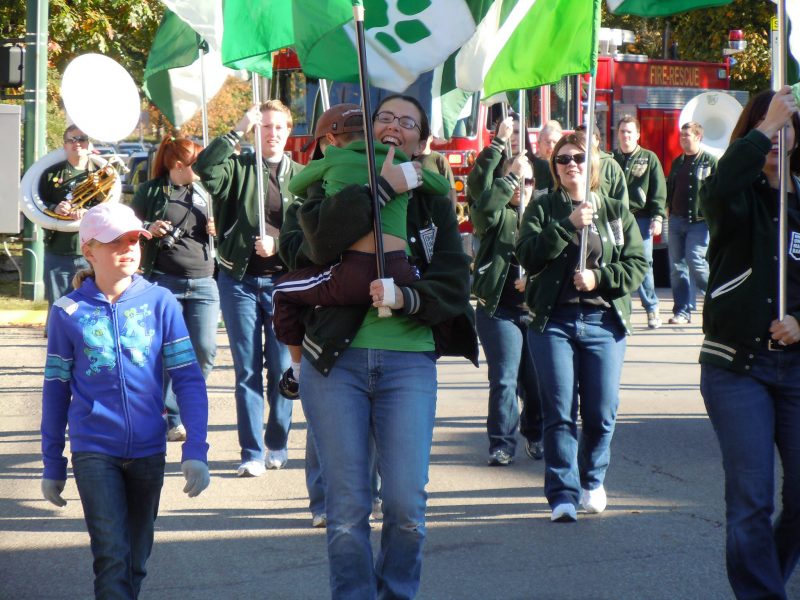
51,490
197,478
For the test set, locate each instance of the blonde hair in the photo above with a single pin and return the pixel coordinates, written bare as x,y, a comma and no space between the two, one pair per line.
81,275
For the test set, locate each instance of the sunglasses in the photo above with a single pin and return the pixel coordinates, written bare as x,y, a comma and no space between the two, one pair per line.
565,159
387,117
529,182
78,139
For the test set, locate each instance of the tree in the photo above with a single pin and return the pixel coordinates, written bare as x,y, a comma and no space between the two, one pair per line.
702,35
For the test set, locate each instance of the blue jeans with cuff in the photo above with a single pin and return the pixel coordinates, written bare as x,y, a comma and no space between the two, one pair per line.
647,291
578,359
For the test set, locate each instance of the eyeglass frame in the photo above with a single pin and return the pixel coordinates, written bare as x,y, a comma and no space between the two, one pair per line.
559,159
396,118
77,139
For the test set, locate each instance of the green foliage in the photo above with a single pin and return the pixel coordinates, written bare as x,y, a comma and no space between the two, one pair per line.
703,34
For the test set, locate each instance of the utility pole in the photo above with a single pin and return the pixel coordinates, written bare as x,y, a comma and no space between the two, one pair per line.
34,134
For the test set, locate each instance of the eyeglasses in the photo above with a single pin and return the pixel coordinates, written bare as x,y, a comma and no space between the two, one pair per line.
529,182
565,159
389,117
78,139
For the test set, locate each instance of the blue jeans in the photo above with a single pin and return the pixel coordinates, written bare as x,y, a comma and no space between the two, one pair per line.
199,300
247,310
751,414
647,291
511,374
687,244
58,273
120,504
578,359
393,395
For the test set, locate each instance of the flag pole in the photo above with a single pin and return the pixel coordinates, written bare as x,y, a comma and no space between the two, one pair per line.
262,225
779,56
358,18
202,45
523,135
324,95
584,247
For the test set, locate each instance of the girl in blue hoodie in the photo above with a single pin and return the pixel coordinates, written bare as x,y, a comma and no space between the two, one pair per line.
110,341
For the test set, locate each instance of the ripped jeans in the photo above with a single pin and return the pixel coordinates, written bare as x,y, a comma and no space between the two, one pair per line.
394,395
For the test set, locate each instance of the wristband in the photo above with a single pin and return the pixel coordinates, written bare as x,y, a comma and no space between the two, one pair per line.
413,180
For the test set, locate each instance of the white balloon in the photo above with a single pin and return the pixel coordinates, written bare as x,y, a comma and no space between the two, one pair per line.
100,97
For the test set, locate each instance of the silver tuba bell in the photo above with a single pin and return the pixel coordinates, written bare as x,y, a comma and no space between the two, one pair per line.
100,97
717,112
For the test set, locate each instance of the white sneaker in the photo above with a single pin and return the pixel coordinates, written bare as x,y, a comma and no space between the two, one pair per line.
251,468
564,513
594,501
319,521
176,434
276,459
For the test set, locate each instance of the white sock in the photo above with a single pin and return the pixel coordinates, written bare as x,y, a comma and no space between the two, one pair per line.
296,370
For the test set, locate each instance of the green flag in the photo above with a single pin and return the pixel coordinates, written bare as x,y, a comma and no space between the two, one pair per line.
404,38
254,29
528,43
172,77
659,8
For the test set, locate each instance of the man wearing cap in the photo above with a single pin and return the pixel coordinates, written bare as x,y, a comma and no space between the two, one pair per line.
249,268
62,250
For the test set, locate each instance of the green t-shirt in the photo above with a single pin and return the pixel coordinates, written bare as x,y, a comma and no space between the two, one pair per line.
393,333
55,184
341,167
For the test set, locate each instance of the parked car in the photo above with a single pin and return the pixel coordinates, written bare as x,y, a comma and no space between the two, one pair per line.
138,172
103,149
131,147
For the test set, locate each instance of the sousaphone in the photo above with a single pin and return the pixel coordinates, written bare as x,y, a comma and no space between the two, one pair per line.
101,98
717,112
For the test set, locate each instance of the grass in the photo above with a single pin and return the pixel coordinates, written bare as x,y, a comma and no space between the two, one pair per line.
11,300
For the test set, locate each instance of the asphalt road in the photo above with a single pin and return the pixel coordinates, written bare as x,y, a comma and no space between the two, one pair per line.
489,533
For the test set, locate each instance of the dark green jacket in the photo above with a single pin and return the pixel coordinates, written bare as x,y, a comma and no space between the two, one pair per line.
231,180
705,165
647,187
545,232
319,229
612,179
544,182
494,223
741,213
150,204
54,185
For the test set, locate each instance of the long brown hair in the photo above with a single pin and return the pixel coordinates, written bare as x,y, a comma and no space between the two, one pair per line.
576,139
170,151
754,112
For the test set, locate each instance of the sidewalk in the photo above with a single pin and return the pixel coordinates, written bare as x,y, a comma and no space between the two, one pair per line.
489,533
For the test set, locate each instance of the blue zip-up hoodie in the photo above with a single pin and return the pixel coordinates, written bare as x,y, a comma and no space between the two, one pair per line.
104,372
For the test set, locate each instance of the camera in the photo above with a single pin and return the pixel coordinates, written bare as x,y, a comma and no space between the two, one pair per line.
168,241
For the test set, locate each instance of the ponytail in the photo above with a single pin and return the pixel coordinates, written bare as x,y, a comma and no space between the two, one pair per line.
81,275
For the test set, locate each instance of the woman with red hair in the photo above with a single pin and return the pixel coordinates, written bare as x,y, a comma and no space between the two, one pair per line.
174,208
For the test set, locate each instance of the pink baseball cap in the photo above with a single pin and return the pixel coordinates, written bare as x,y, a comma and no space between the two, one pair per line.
106,222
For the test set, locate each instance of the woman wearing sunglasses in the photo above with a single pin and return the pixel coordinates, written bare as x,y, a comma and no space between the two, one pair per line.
750,357
493,188
579,320
364,375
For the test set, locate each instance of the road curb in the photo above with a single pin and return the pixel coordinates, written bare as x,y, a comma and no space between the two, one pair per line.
23,318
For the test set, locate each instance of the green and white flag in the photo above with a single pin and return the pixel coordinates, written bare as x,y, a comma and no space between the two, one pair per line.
203,16
522,44
254,29
404,38
172,77
659,8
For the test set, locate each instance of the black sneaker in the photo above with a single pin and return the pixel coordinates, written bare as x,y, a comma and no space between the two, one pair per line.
288,386
534,450
500,458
